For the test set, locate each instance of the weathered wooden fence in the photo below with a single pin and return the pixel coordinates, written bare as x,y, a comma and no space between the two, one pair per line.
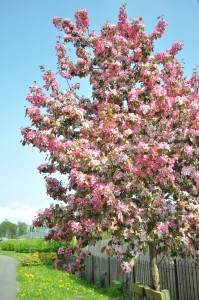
180,277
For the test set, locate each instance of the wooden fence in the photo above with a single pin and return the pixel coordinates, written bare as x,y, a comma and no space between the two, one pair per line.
180,277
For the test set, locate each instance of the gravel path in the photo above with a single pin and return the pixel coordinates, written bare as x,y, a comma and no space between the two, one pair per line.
8,284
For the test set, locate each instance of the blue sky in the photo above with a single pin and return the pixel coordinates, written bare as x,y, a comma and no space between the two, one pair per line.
27,41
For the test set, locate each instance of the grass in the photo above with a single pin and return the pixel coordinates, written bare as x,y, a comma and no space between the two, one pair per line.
15,255
44,283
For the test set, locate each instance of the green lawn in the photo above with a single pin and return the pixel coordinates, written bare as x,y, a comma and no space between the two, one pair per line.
46,283
15,255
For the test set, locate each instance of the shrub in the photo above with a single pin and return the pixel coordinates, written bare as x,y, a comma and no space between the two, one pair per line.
36,245
8,245
31,260
47,258
32,245
23,246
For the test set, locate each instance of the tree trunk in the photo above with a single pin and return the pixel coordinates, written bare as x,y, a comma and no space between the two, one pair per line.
155,278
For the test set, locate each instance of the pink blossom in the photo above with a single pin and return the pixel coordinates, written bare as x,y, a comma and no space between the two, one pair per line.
82,19
128,167
143,236
186,170
75,85
122,208
186,240
177,46
163,228
195,175
174,225
193,206
126,266
127,132
188,149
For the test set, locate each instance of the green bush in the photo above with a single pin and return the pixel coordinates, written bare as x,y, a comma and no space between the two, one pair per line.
35,259
22,246
32,245
8,245
47,258
31,260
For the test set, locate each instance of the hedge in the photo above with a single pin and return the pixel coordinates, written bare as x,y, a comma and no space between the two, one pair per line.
31,245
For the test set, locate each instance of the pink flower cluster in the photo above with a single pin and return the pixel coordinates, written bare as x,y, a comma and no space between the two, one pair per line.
82,20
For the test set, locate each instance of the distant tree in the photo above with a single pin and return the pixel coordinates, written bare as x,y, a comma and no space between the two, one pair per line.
130,150
8,229
22,228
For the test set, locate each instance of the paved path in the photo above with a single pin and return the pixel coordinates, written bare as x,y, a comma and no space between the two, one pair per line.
8,284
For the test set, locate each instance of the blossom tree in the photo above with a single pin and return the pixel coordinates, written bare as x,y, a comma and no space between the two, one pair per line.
129,153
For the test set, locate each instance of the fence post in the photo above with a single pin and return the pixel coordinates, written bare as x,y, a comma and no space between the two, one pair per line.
134,274
176,279
93,268
109,270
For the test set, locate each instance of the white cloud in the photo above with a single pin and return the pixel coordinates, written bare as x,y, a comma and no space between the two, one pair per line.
18,212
